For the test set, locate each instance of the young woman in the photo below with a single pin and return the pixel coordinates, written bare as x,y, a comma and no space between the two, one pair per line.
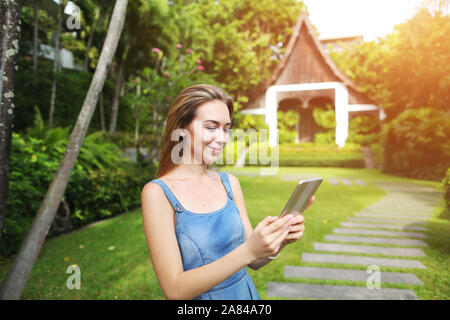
198,232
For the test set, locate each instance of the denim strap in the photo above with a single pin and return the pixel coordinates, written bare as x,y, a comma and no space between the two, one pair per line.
173,200
226,183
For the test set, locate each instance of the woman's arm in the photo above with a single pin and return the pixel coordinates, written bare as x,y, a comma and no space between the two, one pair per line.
296,231
240,204
159,228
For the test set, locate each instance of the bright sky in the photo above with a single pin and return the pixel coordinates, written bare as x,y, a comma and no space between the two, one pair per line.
370,18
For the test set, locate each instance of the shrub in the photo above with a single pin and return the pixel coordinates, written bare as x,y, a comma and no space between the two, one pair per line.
417,144
446,182
98,187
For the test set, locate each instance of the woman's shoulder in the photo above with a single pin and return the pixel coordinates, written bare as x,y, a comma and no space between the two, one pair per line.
153,200
152,190
231,177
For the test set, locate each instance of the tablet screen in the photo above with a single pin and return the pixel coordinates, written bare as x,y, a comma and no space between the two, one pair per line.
301,196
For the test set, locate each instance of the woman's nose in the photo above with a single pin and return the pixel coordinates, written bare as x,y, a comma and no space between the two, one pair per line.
221,136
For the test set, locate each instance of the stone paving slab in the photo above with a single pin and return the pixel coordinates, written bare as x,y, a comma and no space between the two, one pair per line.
322,291
359,219
360,260
382,226
296,177
348,274
333,182
400,242
355,248
346,182
402,213
360,182
382,215
379,232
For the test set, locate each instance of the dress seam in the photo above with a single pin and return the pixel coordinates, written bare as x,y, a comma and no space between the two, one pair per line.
195,244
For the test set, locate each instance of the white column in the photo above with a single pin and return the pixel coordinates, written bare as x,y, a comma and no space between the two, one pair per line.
271,115
341,102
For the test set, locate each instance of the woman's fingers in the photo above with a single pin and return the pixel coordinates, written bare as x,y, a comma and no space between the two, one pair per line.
282,236
264,223
277,224
279,232
298,219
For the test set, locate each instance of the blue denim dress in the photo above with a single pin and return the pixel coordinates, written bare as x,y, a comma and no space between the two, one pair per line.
206,237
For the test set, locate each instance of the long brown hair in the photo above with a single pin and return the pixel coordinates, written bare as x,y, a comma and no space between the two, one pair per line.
182,112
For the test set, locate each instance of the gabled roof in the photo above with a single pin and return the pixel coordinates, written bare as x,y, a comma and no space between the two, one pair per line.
304,21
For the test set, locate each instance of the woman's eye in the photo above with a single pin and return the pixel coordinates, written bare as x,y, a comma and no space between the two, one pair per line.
211,128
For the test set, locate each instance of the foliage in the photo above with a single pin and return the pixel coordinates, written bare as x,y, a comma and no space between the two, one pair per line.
299,155
287,124
326,125
98,187
153,89
407,74
95,153
33,89
407,69
446,182
240,46
321,155
417,144
249,121
363,130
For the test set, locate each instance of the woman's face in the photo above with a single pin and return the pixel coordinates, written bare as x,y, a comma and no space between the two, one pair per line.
209,132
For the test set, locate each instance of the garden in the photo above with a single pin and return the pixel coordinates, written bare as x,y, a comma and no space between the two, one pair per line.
102,161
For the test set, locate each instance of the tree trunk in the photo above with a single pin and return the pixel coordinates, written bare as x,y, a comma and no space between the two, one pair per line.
115,103
137,110
55,65
11,12
17,276
35,34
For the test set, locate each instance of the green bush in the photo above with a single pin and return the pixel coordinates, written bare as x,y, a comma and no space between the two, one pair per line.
446,182
363,130
305,155
104,193
417,144
98,187
34,89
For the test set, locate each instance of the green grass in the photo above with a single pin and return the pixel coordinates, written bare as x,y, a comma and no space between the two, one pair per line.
126,272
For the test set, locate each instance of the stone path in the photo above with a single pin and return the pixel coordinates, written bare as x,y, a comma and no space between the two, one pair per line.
390,233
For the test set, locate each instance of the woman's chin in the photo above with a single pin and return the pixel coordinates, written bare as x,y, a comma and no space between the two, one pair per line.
210,159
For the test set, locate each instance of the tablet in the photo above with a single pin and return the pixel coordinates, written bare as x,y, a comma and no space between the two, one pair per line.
301,196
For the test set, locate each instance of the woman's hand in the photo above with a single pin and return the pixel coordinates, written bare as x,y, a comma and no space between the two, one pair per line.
267,237
297,228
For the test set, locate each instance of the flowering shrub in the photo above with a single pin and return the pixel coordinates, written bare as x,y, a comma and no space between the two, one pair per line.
152,91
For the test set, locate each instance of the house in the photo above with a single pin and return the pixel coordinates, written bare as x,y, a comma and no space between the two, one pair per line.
307,78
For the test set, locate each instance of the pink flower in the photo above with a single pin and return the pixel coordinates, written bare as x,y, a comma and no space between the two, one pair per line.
199,61
201,68
156,50
178,46
189,51
167,74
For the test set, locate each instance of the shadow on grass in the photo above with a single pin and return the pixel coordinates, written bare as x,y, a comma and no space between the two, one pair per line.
439,233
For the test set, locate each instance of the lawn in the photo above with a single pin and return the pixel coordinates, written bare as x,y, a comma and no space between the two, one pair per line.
115,264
